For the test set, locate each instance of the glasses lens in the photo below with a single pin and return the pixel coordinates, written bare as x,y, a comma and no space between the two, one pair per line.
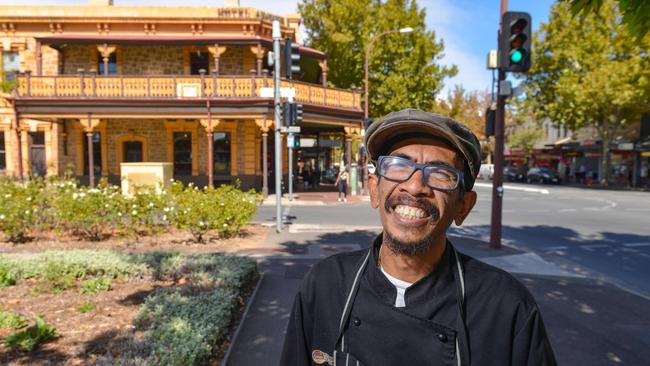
441,177
395,168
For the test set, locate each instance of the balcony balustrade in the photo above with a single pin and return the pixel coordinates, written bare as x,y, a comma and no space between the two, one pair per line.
170,87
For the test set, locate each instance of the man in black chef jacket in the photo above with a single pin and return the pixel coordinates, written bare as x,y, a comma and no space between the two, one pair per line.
412,299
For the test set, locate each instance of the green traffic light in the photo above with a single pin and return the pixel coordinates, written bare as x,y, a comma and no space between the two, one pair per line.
516,56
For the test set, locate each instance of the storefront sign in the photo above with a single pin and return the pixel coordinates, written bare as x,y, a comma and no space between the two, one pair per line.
573,154
628,146
645,154
593,155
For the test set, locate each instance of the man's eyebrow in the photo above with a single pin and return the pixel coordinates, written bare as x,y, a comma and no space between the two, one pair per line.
402,155
432,162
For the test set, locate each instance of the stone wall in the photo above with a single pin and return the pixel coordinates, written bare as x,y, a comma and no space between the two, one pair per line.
237,60
152,60
76,57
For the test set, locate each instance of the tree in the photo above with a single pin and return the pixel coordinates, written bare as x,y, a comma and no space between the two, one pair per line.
636,13
466,107
404,69
524,139
587,70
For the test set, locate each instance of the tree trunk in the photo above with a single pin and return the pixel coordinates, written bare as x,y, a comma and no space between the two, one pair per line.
605,162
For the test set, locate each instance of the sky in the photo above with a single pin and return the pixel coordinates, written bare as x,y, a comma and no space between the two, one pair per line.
467,27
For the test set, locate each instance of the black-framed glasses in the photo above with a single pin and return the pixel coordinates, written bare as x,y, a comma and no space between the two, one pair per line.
439,177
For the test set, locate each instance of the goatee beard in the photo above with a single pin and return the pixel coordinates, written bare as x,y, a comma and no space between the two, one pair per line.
407,248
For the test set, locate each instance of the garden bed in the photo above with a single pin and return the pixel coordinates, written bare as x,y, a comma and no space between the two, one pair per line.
110,307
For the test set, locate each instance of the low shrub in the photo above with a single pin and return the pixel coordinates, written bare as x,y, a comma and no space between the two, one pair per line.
95,285
225,209
87,307
28,339
6,278
12,320
20,204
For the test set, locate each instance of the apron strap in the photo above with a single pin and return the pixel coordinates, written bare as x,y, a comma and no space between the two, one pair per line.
462,344
352,294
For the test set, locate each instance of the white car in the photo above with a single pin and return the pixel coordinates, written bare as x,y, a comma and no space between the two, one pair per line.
486,171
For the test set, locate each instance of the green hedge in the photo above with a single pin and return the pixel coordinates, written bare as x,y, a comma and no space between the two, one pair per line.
98,213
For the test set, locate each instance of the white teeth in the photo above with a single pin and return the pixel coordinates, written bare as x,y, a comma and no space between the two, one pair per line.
410,212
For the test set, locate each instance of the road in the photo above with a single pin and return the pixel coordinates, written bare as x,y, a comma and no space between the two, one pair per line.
596,233
583,253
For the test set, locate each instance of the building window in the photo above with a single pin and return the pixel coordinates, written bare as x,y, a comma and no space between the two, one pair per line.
182,153
37,157
199,60
3,156
10,65
97,154
132,152
221,152
112,64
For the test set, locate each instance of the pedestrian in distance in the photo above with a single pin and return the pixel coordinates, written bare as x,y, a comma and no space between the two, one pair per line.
411,298
342,183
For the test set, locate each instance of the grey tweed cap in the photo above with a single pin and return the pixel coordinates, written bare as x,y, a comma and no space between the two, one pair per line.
382,134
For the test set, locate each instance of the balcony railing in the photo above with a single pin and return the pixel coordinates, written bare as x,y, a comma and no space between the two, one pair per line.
176,87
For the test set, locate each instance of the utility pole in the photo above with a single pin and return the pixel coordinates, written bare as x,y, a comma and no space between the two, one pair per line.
499,128
278,124
290,143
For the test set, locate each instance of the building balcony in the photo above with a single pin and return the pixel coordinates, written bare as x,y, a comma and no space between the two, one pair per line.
177,88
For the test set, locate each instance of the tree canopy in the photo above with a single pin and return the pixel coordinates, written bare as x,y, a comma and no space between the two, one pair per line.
404,69
636,13
588,70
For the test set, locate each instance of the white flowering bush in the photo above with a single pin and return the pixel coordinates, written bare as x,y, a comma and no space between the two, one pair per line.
20,205
223,210
89,213
62,205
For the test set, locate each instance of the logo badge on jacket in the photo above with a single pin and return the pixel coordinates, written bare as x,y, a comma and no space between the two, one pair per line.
321,357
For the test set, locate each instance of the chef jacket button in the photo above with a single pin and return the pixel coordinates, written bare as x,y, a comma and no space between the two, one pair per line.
442,337
356,321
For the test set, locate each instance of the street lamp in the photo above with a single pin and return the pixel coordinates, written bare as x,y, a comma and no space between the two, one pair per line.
365,69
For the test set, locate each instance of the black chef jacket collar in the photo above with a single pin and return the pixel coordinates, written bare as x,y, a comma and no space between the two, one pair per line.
439,281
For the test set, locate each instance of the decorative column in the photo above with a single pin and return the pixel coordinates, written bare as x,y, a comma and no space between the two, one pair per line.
105,51
18,146
259,56
216,51
264,126
89,125
210,125
323,68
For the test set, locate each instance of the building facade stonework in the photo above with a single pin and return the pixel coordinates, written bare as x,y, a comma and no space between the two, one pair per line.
157,84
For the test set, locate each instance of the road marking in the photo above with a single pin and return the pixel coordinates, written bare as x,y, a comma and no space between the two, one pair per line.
636,245
638,209
538,211
590,247
514,188
559,247
568,210
318,228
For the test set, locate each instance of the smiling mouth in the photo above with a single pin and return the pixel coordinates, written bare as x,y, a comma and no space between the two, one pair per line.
410,212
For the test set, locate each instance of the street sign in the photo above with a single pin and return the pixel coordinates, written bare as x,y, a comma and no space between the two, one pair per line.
291,129
284,92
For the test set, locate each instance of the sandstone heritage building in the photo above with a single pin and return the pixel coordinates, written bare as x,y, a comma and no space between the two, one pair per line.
98,85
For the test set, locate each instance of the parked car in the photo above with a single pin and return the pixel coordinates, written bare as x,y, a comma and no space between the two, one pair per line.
514,174
486,171
542,175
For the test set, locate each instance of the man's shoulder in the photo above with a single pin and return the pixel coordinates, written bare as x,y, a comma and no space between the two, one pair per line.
335,270
494,282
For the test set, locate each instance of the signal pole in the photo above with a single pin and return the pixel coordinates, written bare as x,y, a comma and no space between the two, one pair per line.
499,129
290,143
278,124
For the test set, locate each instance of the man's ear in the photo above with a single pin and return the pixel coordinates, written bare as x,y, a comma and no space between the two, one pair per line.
373,185
466,204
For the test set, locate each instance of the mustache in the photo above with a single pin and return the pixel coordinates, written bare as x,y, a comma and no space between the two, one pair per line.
410,201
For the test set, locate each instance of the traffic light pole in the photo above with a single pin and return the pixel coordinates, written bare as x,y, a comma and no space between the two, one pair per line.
290,139
497,177
278,123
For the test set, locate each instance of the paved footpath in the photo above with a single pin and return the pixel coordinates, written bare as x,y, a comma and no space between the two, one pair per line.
590,322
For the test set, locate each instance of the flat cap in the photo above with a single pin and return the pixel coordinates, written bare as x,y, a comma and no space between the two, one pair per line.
383,134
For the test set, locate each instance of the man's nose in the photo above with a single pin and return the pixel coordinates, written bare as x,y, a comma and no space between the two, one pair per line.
415,184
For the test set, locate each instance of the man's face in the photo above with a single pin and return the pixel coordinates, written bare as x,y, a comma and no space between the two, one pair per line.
413,215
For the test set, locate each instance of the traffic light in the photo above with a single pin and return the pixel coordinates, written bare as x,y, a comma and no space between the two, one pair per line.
296,141
291,58
514,42
287,119
490,117
297,114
